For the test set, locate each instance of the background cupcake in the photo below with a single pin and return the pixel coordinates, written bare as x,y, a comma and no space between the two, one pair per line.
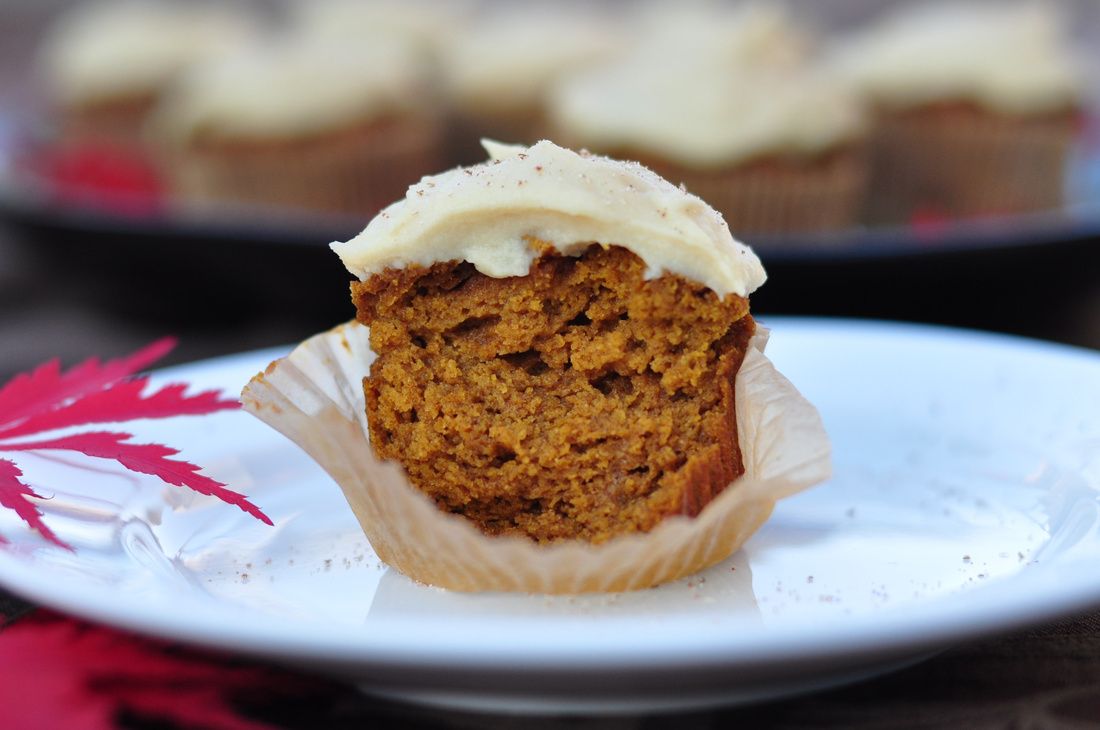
426,24
977,107
105,65
302,123
497,70
738,118
728,35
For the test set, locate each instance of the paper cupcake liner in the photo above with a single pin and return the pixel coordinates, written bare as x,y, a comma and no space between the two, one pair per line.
967,163
113,123
315,398
782,196
353,173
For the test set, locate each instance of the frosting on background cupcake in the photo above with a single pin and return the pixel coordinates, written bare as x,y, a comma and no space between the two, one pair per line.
426,24
747,34
125,48
723,117
296,88
507,60
1008,57
708,86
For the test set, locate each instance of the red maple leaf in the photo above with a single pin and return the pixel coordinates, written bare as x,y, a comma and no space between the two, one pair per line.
121,401
48,399
13,496
60,673
47,388
106,176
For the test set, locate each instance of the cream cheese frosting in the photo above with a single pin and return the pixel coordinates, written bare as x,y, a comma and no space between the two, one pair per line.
1010,57
426,23
293,88
487,215
721,118
120,48
748,34
507,60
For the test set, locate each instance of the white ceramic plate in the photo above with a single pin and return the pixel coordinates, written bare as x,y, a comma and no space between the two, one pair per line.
966,501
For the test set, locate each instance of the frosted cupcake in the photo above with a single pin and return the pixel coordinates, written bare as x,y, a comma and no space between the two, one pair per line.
562,367
749,34
977,108
105,64
302,124
774,149
427,24
497,70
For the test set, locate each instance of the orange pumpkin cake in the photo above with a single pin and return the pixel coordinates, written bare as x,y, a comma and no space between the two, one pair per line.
557,337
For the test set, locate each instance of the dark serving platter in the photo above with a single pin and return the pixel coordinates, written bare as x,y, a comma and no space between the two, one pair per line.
1025,274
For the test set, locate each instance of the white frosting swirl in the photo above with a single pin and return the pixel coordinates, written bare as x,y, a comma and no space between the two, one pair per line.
112,49
706,116
297,87
506,61
748,34
1010,57
486,215
708,86
425,23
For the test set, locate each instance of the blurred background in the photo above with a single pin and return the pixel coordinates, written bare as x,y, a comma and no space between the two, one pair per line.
180,167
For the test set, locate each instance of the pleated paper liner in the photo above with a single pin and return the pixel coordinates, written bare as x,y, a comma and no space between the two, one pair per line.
786,197
315,398
962,161
356,171
115,123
